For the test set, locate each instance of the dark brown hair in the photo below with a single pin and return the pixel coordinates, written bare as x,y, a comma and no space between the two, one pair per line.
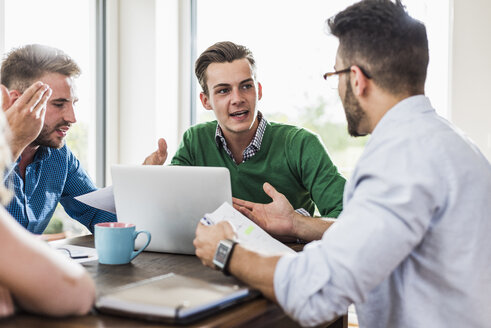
380,36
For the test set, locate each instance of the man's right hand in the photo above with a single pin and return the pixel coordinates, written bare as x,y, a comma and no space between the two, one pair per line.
277,218
25,115
159,156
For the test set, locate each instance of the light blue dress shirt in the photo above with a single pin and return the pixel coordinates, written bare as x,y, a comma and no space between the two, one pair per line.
412,247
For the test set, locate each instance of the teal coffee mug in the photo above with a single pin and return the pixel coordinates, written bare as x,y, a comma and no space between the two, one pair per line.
115,242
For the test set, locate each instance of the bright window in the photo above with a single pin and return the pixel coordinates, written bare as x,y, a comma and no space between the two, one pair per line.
70,26
292,50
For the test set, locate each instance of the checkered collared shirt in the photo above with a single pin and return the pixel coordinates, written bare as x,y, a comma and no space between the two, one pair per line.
252,148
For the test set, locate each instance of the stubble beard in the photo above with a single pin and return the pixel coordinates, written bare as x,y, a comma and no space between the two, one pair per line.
354,112
43,139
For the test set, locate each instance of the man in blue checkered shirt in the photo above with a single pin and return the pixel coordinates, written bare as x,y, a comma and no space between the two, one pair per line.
39,105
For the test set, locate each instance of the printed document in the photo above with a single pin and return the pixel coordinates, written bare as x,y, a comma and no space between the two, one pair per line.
102,199
249,234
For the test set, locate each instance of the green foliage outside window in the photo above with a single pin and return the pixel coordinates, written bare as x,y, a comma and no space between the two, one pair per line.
343,149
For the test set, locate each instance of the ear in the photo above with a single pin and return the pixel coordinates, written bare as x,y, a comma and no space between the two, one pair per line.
359,82
205,101
259,91
8,97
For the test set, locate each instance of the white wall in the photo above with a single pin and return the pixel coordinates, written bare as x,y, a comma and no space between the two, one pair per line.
148,75
137,76
470,67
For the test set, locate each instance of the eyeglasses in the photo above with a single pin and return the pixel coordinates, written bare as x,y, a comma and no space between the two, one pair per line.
335,82
329,74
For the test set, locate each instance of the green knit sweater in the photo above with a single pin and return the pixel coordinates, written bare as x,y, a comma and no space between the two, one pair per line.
291,159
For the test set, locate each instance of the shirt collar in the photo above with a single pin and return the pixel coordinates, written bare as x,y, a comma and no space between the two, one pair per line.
41,154
256,141
402,110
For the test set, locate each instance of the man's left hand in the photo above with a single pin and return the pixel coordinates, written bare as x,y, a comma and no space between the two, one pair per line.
207,239
159,156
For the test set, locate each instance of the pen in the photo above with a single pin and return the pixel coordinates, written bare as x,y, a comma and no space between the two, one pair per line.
206,221
80,256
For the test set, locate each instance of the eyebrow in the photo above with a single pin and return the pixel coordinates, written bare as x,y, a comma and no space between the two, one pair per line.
219,85
64,100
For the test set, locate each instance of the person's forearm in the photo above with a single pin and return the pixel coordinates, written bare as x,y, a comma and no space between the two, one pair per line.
39,278
16,149
74,296
255,270
309,229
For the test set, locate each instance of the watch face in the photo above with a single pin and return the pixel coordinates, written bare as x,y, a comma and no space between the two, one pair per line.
221,253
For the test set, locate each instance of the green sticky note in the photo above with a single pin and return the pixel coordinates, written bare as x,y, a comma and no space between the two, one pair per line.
249,230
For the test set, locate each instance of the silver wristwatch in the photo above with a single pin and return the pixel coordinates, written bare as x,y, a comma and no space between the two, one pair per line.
223,255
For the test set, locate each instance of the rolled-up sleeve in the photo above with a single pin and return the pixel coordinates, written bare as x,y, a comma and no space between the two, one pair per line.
305,301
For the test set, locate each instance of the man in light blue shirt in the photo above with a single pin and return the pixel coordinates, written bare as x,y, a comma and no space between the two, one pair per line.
411,247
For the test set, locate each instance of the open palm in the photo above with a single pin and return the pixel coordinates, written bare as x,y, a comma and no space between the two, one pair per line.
277,217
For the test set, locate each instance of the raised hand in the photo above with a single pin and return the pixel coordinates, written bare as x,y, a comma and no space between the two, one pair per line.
25,115
159,156
277,217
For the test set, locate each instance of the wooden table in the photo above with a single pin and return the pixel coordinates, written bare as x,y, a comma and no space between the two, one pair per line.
256,313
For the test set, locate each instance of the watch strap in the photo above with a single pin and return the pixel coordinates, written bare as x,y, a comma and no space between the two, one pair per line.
227,261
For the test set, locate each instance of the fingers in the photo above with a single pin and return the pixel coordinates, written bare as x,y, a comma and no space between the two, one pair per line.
228,229
32,95
242,203
159,156
5,97
40,108
243,210
162,147
35,101
271,191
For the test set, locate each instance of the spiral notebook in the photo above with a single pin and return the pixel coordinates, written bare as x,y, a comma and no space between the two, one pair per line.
172,298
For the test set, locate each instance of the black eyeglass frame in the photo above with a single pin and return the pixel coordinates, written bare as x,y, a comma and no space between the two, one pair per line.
346,70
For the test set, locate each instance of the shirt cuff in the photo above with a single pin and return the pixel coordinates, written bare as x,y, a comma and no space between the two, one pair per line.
302,211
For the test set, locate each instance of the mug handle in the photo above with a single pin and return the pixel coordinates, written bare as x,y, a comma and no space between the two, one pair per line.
136,233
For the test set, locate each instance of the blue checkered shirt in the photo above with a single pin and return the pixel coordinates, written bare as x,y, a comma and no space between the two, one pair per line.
252,148
55,175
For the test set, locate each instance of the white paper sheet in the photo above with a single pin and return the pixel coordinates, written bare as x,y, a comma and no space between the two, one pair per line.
102,199
249,234
79,254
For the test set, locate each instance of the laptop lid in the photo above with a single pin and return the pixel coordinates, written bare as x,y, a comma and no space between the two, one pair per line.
168,201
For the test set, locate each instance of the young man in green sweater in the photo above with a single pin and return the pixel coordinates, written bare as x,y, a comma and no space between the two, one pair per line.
254,150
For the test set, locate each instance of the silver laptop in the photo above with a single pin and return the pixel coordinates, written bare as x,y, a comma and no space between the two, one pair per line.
168,201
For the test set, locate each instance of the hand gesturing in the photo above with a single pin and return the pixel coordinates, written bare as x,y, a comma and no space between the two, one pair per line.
277,217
